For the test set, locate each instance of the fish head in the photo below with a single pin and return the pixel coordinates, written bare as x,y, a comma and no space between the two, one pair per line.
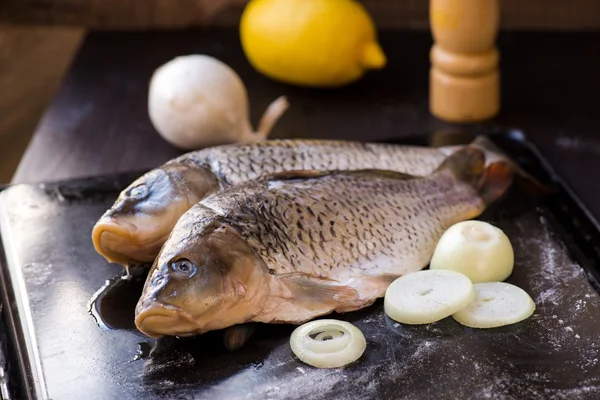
136,226
204,279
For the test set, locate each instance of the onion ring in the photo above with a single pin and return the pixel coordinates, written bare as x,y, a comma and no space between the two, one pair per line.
328,343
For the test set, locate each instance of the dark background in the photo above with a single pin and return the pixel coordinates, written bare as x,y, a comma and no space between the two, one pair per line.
98,122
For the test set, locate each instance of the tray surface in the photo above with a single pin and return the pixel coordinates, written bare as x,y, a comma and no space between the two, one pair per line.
53,272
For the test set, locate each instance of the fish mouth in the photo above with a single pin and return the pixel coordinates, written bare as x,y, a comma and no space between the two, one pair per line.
118,241
158,320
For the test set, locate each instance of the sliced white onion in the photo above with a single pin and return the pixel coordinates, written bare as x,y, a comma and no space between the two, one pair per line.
328,335
328,343
427,296
496,304
477,249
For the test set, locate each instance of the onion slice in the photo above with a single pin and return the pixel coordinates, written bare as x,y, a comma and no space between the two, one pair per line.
496,304
427,296
328,343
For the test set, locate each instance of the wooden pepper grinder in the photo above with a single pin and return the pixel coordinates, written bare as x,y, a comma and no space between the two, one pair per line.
464,79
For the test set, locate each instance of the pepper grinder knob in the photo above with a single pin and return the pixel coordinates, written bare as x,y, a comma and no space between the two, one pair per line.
464,78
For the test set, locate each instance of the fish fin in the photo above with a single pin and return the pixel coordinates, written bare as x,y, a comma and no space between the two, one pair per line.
236,336
318,292
384,172
385,279
494,181
491,152
308,174
297,174
466,164
380,284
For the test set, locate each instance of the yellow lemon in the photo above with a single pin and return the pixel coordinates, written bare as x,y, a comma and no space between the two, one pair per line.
322,43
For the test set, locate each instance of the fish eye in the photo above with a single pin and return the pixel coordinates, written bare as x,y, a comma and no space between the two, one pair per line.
184,266
138,192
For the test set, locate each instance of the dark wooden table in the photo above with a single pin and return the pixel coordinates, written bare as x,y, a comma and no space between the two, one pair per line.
98,123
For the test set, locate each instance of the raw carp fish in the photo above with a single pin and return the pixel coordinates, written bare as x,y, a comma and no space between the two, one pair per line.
139,222
292,246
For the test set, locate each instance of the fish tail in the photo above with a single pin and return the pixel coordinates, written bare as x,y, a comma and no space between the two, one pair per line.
524,179
468,165
494,181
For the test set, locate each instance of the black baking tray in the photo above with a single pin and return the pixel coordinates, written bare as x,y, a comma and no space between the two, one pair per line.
56,349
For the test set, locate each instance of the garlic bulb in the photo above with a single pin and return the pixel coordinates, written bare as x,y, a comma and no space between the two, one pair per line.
197,101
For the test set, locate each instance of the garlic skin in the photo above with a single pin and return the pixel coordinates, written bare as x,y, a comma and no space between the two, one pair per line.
198,101
477,249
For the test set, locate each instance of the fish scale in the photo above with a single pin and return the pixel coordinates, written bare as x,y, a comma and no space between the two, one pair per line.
252,161
370,231
138,223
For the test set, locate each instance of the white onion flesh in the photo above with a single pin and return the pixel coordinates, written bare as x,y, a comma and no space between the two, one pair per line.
328,343
496,304
328,335
477,249
427,296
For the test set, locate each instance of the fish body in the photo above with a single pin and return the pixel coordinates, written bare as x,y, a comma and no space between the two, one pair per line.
136,226
294,246
234,164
